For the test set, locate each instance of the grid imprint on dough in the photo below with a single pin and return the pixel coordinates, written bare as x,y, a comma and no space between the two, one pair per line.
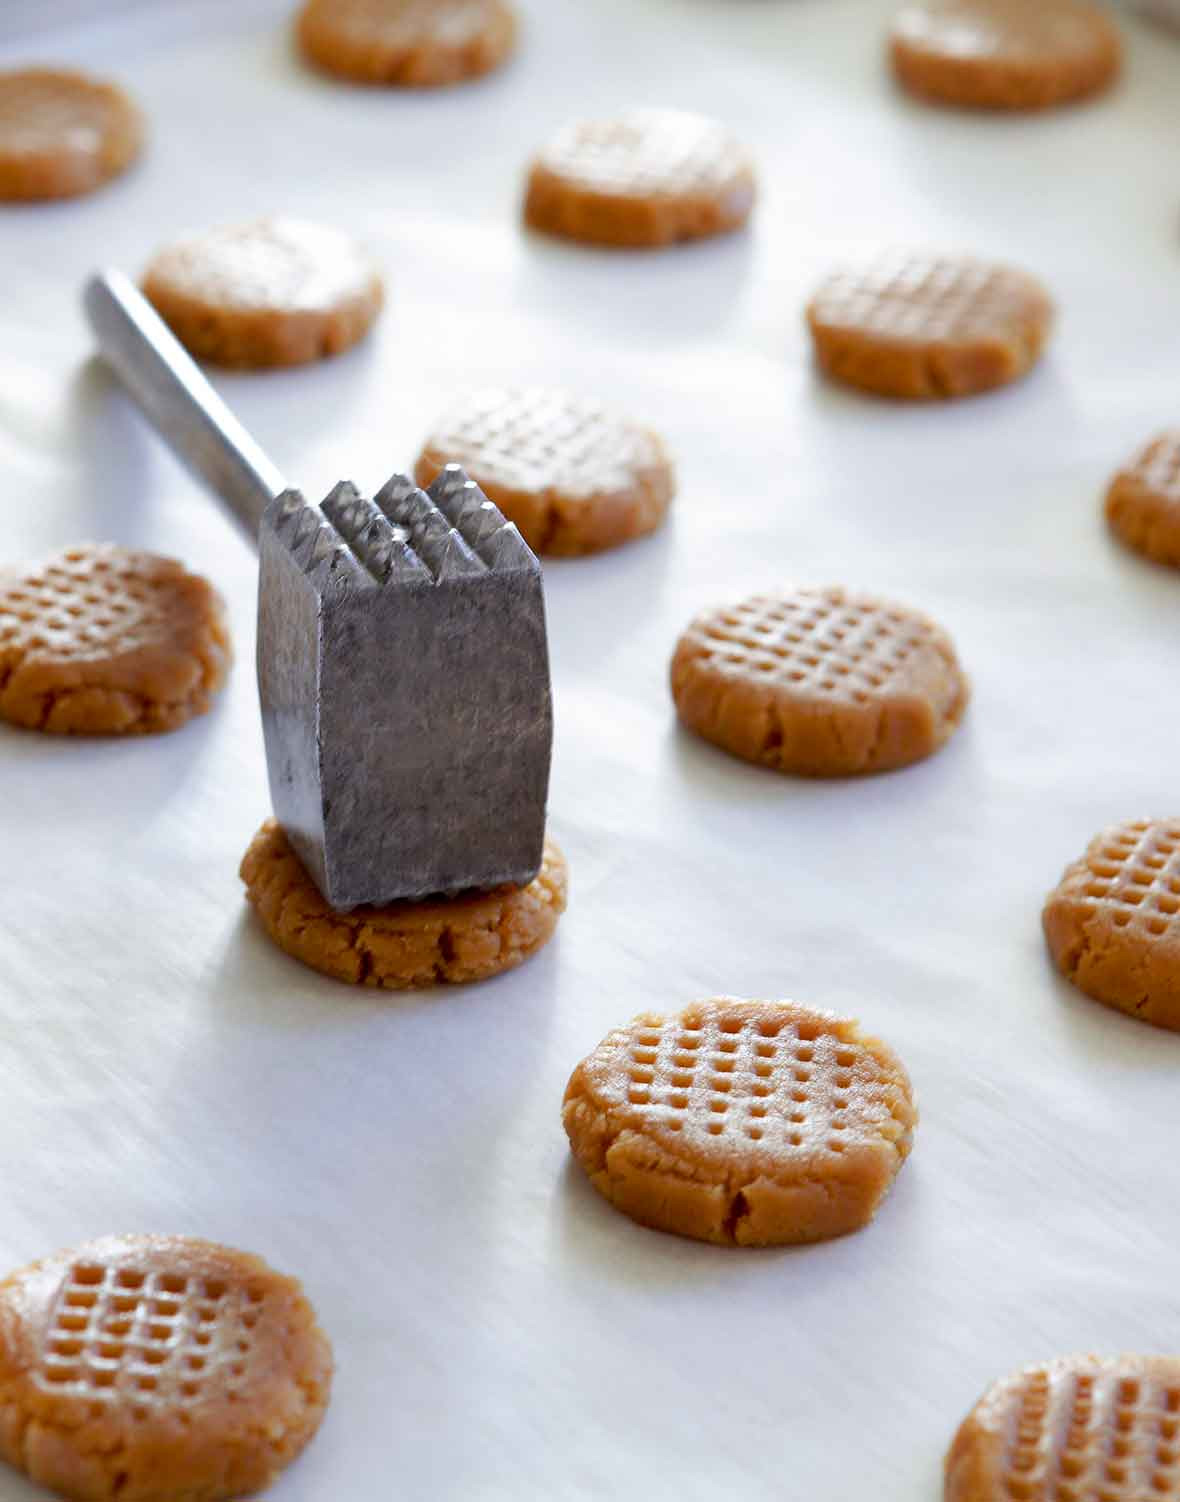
536,439
92,598
776,1082
1158,467
1134,872
1092,1436
414,22
921,297
819,641
153,1336
649,153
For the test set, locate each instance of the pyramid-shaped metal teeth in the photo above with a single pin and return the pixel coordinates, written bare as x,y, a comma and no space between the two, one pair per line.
481,524
440,547
383,548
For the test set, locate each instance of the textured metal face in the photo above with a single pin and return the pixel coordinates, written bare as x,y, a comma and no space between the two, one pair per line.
404,675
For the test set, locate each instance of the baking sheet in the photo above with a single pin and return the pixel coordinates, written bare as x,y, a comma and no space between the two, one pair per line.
501,1332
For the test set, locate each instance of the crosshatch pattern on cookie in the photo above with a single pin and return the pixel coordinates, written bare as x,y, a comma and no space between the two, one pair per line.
819,641
647,154
1085,1431
919,298
157,1338
535,439
1158,467
1134,874
748,1080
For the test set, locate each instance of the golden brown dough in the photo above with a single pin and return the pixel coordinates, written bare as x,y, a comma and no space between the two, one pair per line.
1143,501
748,1123
410,43
63,134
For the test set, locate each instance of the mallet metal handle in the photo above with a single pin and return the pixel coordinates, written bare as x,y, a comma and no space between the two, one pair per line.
178,400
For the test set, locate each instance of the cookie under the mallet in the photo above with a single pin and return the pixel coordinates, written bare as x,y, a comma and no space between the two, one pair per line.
407,43
273,292
644,179
1078,1429
1004,54
403,945
101,640
749,1123
63,134
157,1369
1113,921
925,327
819,682
574,476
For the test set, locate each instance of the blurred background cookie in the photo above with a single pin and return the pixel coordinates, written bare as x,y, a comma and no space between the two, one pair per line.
924,327
819,682
157,1369
1143,501
1113,921
573,476
104,641
62,133
274,292
1004,54
403,945
648,178
753,1123
1078,1429
413,43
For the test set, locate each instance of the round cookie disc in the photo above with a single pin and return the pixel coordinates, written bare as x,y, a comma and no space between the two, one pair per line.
742,1122
404,945
1113,921
275,292
923,327
574,477
151,1368
1143,502
648,178
1078,1429
62,134
1004,54
819,682
103,641
412,43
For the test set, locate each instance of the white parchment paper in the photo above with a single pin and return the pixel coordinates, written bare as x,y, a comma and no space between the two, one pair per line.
501,1333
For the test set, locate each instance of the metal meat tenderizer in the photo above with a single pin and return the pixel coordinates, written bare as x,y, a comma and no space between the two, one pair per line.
403,668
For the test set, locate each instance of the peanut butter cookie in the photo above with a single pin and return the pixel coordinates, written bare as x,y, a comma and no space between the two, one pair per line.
1143,502
1078,1429
1112,923
104,641
275,292
753,1123
1004,54
819,682
925,328
404,945
648,178
411,43
157,1369
574,477
63,134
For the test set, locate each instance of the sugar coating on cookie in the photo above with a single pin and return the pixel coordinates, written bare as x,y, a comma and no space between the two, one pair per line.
278,291
402,945
101,640
819,682
411,43
1078,1429
929,327
1004,54
1143,501
648,178
753,1123
157,1369
1113,921
63,134
573,476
